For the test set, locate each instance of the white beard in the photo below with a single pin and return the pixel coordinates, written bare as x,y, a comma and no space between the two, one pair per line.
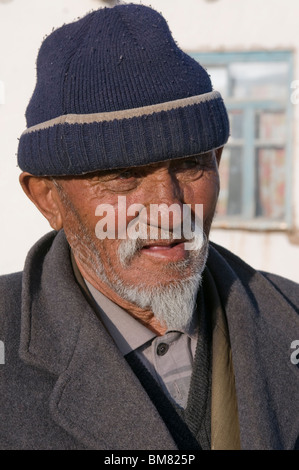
172,304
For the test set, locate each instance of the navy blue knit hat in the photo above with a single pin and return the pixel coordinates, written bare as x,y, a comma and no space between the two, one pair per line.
114,90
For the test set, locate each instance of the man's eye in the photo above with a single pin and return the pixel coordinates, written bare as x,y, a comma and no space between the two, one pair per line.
125,175
190,163
187,164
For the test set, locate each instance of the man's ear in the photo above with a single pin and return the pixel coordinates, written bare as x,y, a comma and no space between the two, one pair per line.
42,192
218,153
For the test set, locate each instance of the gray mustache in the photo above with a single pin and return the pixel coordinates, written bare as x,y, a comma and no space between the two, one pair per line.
131,247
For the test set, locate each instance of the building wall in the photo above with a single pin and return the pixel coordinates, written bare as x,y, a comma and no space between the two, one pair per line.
197,25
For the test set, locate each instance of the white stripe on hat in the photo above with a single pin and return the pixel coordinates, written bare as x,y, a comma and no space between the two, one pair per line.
125,113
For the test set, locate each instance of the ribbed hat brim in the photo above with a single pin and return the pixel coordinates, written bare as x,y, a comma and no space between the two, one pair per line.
78,144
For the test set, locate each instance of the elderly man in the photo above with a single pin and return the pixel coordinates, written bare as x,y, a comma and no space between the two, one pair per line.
160,341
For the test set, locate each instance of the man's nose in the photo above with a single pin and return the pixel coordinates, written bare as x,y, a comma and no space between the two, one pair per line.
165,188
164,200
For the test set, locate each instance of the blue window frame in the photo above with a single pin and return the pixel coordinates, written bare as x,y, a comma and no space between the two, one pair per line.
256,166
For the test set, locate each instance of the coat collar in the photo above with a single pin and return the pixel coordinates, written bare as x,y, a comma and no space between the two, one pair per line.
97,398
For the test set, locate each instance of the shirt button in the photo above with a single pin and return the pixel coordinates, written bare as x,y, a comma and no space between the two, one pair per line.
162,349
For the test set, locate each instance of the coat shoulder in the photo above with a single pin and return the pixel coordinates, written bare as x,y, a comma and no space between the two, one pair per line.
287,288
10,290
10,302
10,283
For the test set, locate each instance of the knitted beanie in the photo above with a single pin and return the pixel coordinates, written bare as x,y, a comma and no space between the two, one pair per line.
114,90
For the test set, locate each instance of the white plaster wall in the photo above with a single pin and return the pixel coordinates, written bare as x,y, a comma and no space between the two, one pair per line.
23,24
197,25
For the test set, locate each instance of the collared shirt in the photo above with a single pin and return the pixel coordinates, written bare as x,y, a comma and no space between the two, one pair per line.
169,358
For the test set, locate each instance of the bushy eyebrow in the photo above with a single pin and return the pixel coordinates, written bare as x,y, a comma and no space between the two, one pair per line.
144,169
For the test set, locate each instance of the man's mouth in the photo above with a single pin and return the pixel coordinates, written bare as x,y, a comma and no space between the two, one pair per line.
165,249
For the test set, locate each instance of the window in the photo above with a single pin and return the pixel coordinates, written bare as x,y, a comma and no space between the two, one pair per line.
255,170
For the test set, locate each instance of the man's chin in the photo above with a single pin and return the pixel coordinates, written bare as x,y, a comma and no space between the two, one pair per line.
172,300
157,274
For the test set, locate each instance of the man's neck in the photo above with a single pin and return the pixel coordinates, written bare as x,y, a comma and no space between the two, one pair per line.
146,317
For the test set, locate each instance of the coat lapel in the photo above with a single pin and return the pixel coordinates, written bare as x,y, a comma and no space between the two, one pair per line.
97,398
262,326
101,402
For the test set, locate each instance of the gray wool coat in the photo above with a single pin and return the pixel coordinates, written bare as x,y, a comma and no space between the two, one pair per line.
64,384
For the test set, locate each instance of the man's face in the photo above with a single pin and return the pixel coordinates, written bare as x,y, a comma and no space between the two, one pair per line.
156,277
192,180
